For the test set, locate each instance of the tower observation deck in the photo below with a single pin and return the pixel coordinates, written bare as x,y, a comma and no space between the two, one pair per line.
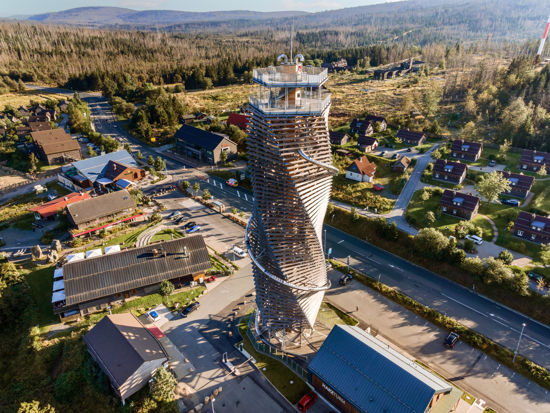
291,168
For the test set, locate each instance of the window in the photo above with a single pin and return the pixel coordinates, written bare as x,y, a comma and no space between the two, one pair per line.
444,209
533,236
454,211
520,233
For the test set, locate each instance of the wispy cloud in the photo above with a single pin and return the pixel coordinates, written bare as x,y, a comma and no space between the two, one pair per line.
316,5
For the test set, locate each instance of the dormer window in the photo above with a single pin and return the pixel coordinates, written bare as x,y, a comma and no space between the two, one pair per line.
465,148
448,168
513,181
538,225
538,159
458,201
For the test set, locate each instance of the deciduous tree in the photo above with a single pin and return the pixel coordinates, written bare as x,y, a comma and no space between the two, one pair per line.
491,185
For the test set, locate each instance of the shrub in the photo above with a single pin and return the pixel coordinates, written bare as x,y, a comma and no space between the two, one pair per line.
496,271
430,242
162,387
469,245
474,266
506,257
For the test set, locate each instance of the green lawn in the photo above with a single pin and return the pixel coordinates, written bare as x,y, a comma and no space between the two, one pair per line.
276,372
330,316
502,216
416,215
167,235
40,281
541,200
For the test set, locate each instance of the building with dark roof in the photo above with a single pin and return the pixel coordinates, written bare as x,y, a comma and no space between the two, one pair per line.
357,372
532,227
361,127
520,184
94,283
374,119
459,205
55,146
100,209
51,208
411,137
126,351
204,146
533,161
338,138
38,126
361,170
469,151
401,164
367,143
238,119
447,171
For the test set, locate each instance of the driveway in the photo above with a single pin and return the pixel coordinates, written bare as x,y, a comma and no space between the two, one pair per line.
464,366
201,338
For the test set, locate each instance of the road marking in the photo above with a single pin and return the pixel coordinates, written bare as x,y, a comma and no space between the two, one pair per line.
339,242
493,318
245,197
238,194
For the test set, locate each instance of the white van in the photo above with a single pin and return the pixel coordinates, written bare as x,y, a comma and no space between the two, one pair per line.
239,252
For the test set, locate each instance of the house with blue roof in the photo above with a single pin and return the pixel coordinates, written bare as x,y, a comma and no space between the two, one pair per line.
357,372
101,172
203,145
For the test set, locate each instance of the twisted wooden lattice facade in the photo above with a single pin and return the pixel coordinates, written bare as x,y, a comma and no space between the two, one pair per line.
291,167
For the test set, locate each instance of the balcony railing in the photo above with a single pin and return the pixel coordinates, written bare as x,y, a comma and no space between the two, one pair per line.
305,105
275,76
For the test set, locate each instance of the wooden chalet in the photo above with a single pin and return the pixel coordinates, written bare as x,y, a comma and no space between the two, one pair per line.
469,151
410,137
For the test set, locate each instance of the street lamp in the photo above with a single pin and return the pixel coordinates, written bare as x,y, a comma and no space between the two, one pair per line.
519,340
213,400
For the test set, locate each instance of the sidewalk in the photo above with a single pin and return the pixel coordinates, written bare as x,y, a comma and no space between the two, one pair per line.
470,369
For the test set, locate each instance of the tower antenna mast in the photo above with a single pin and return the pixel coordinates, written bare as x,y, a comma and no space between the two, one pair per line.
291,35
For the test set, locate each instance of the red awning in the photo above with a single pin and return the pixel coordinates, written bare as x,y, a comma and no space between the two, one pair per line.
106,225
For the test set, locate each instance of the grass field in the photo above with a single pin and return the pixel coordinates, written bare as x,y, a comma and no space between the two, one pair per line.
541,200
40,281
417,209
167,235
24,98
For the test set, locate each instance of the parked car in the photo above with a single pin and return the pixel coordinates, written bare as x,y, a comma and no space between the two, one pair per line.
382,153
153,315
306,401
451,340
190,225
174,215
345,278
211,278
378,187
189,309
534,276
180,220
239,252
232,182
409,149
477,240
193,229
394,156
510,201
492,163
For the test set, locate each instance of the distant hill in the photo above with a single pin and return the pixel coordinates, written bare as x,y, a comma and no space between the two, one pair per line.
109,16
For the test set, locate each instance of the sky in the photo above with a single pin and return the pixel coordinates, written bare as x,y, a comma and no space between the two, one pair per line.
29,7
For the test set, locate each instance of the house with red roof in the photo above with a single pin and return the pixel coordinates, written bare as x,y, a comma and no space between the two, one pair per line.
361,170
50,209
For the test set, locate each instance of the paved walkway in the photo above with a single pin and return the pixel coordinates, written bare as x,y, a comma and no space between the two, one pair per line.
495,229
145,237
